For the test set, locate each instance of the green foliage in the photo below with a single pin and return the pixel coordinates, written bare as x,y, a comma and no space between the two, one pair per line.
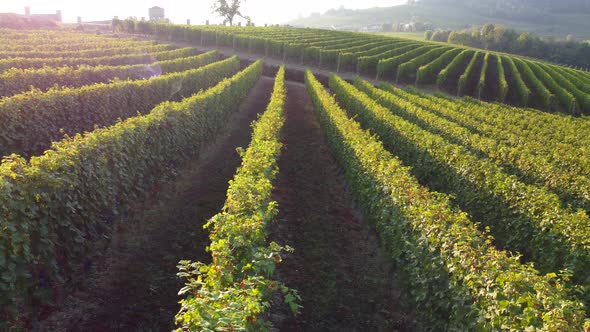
498,38
481,83
235,290
388,67
521,89
407,70
18,80
502,82
448,76
441,150
29,122
564,97
571,84
376,54
53,208
127,59
468,78
368,62
89,50
542,96
427,73
459,281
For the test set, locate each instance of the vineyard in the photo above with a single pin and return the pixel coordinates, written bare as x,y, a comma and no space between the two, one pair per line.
205,180
459,71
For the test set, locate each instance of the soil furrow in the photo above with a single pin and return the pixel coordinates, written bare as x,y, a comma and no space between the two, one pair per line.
346,282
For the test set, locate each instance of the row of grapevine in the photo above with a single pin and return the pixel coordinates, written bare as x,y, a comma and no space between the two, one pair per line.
504,78
351,58
453,70
524,218
235,289
460,123
89,53
467,80
502,82
367,62
49,36
408,70
483,76
427,73
582,98
456,278
388,67
127,59
61,46
29,122
54,208
542,96
563,96
557,137
15,81
521,92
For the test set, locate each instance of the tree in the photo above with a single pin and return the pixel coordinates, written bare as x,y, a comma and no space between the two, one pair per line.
228,10
570,38
500,35
524,42
487,34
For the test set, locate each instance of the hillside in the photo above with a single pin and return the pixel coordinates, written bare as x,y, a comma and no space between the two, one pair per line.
557,20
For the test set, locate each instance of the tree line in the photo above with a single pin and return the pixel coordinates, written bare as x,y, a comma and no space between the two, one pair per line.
496,37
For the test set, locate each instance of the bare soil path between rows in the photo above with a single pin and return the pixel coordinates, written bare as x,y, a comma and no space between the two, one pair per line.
346,281
134,288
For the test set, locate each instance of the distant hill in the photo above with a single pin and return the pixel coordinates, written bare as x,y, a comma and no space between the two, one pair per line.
544,17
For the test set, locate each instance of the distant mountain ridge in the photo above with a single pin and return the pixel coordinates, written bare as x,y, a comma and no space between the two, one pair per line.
544,17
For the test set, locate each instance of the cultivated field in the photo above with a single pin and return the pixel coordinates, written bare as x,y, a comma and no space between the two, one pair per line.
350,204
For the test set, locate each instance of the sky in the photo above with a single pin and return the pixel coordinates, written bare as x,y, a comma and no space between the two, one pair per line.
261,11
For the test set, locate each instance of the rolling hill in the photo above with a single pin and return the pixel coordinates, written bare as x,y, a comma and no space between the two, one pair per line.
539,16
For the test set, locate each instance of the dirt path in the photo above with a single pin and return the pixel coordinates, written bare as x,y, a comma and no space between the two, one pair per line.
344,279
134,287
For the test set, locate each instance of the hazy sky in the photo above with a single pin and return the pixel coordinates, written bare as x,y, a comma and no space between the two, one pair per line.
261,11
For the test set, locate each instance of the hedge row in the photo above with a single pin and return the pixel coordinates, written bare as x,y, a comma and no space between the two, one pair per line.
407,70
343,50
468,79
235,289
428,73
457,279
17,80
59,45
525,218
542,96
367,63
481,82
89,53
55,207
128,59
565,98
502,83
352,58
521,91
557,137
448,77
388,67
572,85
29,122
